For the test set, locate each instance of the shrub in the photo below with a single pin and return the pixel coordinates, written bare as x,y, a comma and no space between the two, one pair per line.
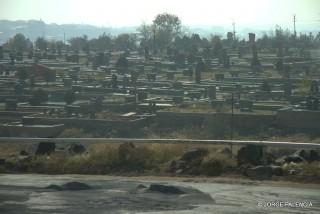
216,164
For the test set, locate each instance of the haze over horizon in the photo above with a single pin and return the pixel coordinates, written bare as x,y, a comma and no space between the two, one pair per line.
246,13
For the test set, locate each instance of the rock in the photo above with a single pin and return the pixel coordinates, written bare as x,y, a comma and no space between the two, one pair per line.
260,172
293,158
76,149
308,155
72,186
55,187
250,154
194,154
277,170
2,161
314,156
225,151
176,165
45,148
165,189
189,162
24,158
212,167
23,153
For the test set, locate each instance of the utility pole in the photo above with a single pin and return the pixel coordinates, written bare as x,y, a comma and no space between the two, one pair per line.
294,26
232,115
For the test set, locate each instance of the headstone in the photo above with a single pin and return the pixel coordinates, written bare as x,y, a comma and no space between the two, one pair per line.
114,81
252,37
212,93
200,67
11,104
1,52
219,77
314,88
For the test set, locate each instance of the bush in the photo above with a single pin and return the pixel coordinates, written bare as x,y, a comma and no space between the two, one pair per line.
216,164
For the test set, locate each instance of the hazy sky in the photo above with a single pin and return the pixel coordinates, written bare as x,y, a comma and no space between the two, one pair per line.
249,13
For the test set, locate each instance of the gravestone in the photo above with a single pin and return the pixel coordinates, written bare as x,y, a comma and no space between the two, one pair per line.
245,105
151,77
219,77
1,52
314,88
255,62
11,104
122,65
200,67
212,93
252,38
114,81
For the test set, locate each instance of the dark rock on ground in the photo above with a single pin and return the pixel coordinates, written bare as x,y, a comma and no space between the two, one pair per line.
212,167
165,189
76,149
189,162
54,187
250,154
194,154
226,151
23,152
2,161
45,148
260,172
308,154
74,186
293,158
277,171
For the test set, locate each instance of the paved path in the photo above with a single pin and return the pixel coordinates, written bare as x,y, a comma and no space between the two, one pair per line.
24,194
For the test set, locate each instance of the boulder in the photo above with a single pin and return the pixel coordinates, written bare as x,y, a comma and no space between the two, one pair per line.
2,161
225,151
45,148
194,154
165,189
72,186
293,158
260,172
277,170
76,149
189,162
23,153
250,154
308,154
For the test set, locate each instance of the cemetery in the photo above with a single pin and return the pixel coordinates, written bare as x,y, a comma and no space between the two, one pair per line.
187,88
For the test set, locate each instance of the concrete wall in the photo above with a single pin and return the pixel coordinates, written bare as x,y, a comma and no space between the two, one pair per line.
87,124
243,122
299,120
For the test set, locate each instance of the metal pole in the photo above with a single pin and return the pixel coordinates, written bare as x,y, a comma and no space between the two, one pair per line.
232,118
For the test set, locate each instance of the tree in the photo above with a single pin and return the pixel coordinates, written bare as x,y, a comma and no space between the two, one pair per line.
102,43
18,43
41,43
166,27
125,41
79,43
145,33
